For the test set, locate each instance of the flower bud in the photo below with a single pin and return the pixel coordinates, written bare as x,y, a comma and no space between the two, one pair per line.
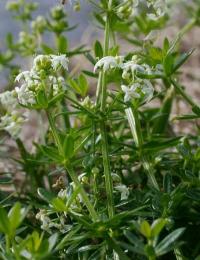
42,62
95,170
57,13
13,6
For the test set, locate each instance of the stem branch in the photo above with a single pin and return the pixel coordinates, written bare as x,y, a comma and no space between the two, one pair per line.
70,170
135,126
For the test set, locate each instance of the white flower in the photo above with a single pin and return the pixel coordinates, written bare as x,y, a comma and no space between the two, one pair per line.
59,61
25,95
42,62
58,83
147,90
43,217
23,75
130,93
12,123
141,89
39,23
108,62
129,68
62,194
27,76
159,8
123,189
8,100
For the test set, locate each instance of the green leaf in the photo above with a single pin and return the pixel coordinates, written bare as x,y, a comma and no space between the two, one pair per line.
52,242
181,59
167,183
156,145
98,50
74,84
47,49
4,222
58,204
193,194
157,226
68,147
134,240
156,53
168,64
62,44
42,99
161,122
88,248
166,46
55,99
14,216
196,110
145,229
167,244
52,153
46,195
83,85
113,244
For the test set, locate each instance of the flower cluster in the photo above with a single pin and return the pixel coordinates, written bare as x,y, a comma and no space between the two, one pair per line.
40,77
154,9
137,88
108,62
47,223
12,120
140,89
39,24
43,76
158,9
12,123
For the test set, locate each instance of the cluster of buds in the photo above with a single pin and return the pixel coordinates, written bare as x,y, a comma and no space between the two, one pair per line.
39,24
127,8
22,9
58,22
27,43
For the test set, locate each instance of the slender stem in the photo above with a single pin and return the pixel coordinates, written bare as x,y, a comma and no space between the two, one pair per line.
187,27
135,126
70,169
84,195
180,90
107,170
7,244
101,100
54,132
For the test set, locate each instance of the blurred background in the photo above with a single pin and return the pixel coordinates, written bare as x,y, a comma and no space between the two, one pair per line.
7,24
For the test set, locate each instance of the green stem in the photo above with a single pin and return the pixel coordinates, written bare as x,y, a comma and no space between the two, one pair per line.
161,123
7,244
54,131
187,27
133,119
70,169
84,195
181,91
101,98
